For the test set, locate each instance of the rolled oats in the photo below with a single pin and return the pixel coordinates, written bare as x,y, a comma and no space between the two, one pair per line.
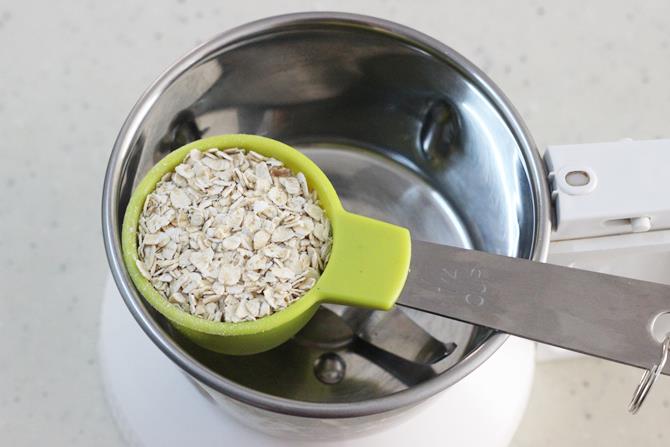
232,236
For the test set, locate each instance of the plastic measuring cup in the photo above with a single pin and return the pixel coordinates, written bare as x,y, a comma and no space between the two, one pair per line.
368,264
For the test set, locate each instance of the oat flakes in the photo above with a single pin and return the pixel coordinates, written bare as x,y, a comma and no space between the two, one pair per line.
232,236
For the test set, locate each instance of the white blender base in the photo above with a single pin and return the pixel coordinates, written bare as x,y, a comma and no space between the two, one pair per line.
165,409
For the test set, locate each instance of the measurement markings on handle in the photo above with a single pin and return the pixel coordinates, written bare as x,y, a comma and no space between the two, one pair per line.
477,299
471,282
450,274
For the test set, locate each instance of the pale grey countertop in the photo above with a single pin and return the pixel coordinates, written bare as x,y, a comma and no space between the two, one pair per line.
71,70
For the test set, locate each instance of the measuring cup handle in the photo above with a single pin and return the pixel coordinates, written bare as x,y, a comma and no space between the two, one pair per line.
368,264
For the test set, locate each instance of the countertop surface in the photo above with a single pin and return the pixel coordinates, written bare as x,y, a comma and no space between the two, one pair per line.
577,71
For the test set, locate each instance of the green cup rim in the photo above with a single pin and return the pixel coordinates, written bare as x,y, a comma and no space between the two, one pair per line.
293,159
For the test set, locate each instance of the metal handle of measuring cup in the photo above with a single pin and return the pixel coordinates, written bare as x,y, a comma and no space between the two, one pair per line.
611,317
617,190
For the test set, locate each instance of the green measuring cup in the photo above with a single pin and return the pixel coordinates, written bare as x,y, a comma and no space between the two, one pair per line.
368,264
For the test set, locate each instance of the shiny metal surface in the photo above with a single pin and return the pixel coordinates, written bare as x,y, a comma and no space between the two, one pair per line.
407,130
329,368
649,378
593,313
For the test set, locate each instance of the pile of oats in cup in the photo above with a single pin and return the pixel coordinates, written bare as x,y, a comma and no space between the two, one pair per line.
232,236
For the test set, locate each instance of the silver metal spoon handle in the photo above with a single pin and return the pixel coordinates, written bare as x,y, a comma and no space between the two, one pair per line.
593,313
